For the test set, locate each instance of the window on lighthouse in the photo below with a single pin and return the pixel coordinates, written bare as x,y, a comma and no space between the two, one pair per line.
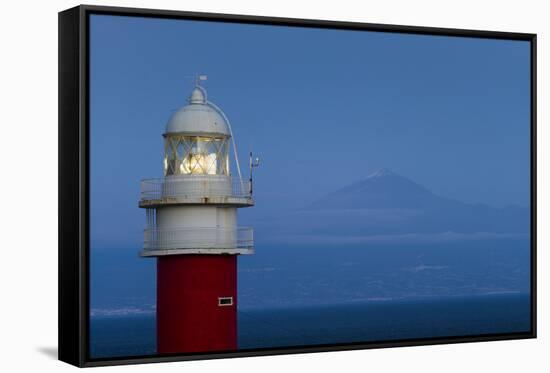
196,155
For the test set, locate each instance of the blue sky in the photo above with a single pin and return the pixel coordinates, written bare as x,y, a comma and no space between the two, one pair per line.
322,108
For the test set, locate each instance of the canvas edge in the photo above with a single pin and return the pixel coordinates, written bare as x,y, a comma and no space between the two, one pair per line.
70,125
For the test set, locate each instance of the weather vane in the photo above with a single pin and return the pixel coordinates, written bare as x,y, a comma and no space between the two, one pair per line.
199,78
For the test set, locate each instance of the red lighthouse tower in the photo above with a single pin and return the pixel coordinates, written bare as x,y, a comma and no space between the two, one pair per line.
192,230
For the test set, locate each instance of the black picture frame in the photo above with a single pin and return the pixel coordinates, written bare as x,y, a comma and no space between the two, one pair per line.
74,180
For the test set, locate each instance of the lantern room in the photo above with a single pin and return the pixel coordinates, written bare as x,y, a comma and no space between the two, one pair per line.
196,141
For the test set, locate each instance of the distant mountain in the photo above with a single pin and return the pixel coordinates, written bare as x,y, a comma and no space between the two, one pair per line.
388,206
382,190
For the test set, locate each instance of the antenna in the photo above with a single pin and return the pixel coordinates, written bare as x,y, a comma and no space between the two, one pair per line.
253,162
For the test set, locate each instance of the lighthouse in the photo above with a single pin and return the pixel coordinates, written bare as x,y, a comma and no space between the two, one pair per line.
191,229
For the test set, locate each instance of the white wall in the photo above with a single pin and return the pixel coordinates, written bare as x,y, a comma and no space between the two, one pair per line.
28,142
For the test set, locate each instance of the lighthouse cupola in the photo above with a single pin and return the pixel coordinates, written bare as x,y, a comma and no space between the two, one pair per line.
192,209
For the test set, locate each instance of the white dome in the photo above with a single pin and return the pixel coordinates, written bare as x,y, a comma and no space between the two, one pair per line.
197,97
197,118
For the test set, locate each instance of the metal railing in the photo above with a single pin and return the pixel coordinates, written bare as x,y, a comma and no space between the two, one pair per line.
198,238
194,186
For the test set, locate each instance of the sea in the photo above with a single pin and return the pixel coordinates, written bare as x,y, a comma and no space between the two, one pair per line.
365,321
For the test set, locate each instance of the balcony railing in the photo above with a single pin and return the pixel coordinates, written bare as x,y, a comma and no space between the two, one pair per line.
198,238
194,186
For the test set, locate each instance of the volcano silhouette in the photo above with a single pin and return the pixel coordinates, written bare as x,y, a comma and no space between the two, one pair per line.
383,189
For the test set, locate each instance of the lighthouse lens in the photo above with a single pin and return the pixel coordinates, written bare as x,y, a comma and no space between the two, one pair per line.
196,155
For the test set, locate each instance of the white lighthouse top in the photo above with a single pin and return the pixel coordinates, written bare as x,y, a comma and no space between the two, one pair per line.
198,117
